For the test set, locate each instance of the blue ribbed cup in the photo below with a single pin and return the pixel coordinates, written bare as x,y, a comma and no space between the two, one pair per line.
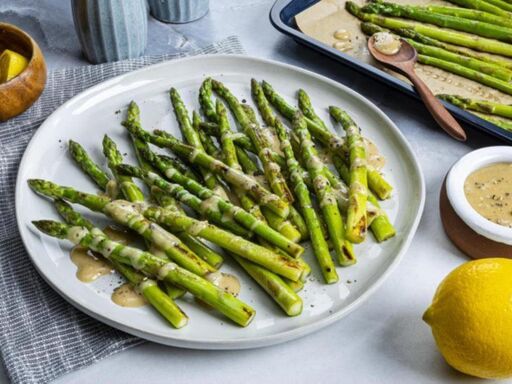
111,30
178,11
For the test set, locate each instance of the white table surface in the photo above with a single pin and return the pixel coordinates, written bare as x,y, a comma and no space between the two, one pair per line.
385,341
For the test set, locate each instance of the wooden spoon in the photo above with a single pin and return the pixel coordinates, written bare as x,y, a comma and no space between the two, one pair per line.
403,62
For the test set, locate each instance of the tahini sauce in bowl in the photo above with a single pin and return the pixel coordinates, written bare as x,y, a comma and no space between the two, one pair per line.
489,191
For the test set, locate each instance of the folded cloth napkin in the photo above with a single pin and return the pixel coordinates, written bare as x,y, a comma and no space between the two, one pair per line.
41,335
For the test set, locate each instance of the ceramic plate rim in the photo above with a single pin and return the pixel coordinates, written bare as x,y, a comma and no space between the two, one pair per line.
244,343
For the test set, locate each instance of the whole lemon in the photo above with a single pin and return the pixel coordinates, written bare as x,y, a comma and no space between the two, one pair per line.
471,318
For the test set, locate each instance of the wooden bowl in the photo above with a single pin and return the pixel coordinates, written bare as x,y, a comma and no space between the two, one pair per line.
468,241
19,93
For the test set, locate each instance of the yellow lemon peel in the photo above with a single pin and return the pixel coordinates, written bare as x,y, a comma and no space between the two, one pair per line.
471,318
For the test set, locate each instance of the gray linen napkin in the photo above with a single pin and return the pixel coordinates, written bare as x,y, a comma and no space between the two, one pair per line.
41,335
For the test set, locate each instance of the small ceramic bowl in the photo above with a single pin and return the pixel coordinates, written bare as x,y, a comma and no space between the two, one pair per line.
457,198
19,93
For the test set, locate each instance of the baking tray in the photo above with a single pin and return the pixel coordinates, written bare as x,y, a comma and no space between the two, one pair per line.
282,17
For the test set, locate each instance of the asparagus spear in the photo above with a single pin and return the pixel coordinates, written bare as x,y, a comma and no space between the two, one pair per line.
133,118
496,121
475,64
208,126
208,144
205,100
249,167
307,109
330,140
381,227
268,155
468,73
370,29
90,168
475,42
482,5
192,137
147,287
232,176
153,233
324,193
470,14
274,285
483,106
259,140
154,266
239,138
240,215
356,214
417,13
501,4
129,189
320,248
231,159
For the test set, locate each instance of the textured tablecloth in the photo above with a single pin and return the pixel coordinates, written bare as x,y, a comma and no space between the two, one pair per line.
41,335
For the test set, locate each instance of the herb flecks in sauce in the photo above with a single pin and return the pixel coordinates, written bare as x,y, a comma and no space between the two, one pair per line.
127,296
489,192
225,281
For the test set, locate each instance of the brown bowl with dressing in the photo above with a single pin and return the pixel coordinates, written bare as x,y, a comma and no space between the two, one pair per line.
476,203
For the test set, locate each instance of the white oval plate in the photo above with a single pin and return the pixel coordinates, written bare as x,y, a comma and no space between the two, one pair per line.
88,116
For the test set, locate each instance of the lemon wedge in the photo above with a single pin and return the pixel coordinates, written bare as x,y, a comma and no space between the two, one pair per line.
11,65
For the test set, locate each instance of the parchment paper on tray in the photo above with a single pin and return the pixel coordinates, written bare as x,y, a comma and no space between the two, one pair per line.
323,19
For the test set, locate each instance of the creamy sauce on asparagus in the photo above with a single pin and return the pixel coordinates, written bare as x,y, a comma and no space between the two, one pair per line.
489,192
324,155
227,282
373,155
112,189
126,295
275,144
89,266
119,235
